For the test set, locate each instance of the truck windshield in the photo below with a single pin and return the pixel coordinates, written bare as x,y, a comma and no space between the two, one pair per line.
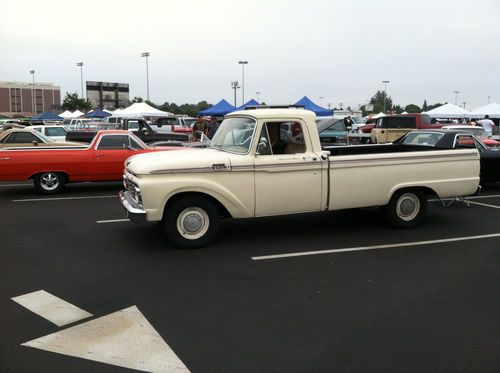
234,135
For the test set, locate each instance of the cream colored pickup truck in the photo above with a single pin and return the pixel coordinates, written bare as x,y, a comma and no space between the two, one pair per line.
266,162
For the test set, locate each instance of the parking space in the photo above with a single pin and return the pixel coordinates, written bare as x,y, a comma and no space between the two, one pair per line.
314,292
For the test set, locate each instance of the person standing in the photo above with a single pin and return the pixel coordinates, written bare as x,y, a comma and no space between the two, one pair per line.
488,125
348,122
213,126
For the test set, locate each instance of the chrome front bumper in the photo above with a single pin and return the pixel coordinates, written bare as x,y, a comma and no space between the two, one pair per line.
135,213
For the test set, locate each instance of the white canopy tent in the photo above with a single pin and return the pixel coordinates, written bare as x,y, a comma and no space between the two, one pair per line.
77,113
493,110
141,109
67,114
449,111
379,115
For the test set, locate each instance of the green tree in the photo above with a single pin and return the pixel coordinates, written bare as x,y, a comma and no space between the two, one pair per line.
136,99
378,102
424,106
430,107
411,108
72,102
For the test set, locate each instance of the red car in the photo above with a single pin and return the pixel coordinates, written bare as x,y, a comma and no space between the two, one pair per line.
52,168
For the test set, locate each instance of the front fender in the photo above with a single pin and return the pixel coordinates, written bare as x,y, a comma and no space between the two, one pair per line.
239,203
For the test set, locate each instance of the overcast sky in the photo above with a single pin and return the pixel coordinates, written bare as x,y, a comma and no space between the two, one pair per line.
338,49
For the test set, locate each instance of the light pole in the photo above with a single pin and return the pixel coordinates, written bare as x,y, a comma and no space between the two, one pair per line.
80,64
385,91
456,96
321,101
235,86
33,99
146,54
243,63
489,99
258,94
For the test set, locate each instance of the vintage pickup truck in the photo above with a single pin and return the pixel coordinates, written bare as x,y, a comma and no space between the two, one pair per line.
256,167
52,167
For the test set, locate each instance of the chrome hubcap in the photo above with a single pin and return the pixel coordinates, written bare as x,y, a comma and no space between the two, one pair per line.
408,207
193,223
49,181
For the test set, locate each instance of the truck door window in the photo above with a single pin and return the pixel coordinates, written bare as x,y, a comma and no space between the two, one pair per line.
285,137
133,125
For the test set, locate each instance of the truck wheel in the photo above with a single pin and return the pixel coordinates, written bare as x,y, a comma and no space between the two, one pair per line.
192,222
407,208
50,182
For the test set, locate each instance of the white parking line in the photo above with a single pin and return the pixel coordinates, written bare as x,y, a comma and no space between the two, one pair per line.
60,198
375,247
51,308
111,221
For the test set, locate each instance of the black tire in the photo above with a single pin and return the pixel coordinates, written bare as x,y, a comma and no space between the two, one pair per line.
192,222
50,182
407,208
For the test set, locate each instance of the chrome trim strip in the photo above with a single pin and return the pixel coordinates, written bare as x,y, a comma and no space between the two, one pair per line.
335,161
238,168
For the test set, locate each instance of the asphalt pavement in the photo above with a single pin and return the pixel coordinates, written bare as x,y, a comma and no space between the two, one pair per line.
328,292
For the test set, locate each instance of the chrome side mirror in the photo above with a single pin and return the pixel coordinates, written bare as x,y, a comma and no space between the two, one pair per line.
263,147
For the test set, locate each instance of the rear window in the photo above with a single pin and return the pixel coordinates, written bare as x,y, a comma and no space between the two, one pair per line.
397,122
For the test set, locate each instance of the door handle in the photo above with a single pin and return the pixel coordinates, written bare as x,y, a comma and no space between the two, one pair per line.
310,158
4,158
99,155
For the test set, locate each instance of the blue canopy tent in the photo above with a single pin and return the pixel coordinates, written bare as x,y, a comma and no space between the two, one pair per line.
309,105
252,102
219,109
47,116
97,114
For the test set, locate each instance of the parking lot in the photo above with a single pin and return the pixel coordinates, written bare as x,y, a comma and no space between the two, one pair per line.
327,292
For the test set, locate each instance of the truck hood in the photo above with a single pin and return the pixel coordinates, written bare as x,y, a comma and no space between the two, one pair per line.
162,162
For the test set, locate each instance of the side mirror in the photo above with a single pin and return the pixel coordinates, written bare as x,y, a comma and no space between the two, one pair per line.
263,147
35,143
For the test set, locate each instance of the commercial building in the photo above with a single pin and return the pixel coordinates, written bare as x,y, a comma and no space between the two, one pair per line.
26,99
106,95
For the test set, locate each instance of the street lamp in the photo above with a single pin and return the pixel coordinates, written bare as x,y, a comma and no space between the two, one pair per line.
258,94
456,96
33,99
321,101
243,63
235,86
80,64
385,91
489,99
146,54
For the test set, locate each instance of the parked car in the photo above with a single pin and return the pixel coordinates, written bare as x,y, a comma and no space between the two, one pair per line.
174,124
332,131
392,127
478,131
26,137
452,139
140,127
52,168
55,132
